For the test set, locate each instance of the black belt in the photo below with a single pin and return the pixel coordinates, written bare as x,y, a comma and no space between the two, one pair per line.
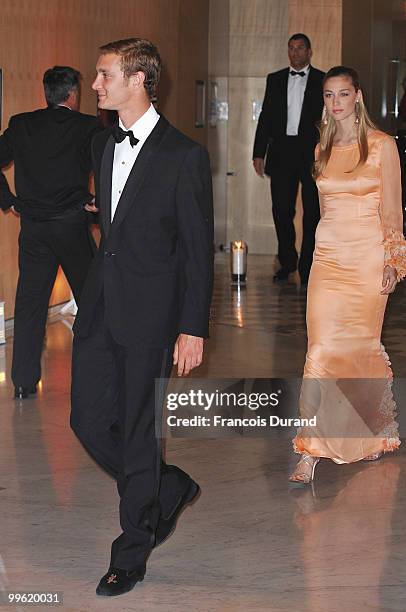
65,215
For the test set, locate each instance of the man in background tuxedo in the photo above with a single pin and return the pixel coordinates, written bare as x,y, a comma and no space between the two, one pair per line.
50,149
286,134
145,304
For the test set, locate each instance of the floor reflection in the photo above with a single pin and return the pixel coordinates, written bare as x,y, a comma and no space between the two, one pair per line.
346,533
252,542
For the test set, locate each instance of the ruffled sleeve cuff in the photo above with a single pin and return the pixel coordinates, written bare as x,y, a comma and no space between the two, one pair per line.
395,252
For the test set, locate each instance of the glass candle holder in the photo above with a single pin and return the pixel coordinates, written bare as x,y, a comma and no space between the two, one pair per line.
238,261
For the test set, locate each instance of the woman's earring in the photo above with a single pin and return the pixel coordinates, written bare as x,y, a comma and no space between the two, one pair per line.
356,111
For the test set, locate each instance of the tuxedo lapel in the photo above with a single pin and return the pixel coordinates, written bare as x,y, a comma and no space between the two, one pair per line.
138,172
106,170
284,98
307,98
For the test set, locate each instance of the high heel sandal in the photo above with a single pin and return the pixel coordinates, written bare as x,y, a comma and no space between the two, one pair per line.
301,476
374,456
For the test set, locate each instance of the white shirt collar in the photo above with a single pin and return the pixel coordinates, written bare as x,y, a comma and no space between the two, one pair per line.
144,125
305,69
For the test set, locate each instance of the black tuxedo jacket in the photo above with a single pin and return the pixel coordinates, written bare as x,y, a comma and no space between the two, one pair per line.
51,152
154,266
271,129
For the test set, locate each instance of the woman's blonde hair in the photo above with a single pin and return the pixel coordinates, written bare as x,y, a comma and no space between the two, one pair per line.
328,127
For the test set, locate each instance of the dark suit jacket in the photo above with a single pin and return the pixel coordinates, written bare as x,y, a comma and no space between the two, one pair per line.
154,266
51,153
271,129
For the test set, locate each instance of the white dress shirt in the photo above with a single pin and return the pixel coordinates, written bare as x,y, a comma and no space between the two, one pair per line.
125,155
296,90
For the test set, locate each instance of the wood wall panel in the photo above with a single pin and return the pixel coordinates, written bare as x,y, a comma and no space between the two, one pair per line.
258,30
36,34
192,64
374,33
219,37
321,20
357,41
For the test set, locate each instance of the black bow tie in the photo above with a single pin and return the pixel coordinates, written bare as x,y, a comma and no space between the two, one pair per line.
294,73
119,135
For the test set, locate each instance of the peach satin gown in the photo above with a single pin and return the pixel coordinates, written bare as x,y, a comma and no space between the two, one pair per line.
347,374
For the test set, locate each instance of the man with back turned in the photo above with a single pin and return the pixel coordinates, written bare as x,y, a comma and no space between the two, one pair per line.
50,149
145,304
287,135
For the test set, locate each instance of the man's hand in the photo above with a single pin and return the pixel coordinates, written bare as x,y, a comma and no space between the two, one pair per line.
91,207
389,280
259,166
188,353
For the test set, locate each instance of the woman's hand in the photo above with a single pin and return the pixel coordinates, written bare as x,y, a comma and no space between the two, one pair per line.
389,280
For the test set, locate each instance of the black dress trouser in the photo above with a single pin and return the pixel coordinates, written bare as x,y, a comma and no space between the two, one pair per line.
291,163
114,414
43,246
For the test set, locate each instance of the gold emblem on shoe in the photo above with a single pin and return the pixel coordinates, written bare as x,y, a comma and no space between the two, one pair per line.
112,578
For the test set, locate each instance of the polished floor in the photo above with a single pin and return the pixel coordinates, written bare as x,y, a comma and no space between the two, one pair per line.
250,542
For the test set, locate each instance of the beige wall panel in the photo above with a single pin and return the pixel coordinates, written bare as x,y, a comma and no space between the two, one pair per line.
321,21
217,146
36,34
219,39
249,200
258,31
258,37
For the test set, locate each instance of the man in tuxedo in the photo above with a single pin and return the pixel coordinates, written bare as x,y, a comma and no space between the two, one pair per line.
286,134
145,304
50,149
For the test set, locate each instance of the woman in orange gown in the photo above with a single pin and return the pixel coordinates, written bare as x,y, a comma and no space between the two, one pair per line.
359,256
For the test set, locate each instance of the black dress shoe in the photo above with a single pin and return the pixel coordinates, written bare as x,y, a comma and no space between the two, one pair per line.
166,526
118,581
24,392
281,275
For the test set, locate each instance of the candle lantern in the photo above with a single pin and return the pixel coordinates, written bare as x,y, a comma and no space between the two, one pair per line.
238,262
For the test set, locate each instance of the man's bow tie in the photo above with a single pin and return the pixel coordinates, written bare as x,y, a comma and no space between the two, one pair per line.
294,73
119,134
